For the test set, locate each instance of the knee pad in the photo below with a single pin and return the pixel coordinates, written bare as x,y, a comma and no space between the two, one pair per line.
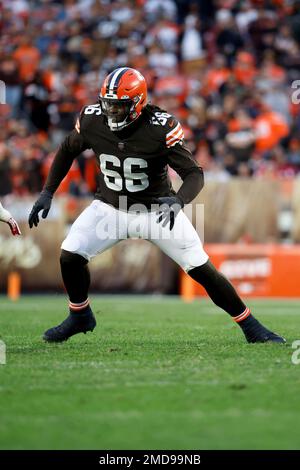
67,258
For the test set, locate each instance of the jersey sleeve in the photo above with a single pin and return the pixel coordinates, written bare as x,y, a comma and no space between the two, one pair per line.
85,120
78,127
181,160
175,135
70,148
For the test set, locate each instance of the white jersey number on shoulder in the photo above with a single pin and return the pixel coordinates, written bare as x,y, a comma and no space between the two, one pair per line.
93,108
160,119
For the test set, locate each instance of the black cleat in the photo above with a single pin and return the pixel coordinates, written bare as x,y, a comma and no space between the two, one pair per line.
75,323
263,335
255,332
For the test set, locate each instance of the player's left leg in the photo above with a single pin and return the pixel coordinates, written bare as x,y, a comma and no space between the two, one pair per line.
184,246
224,295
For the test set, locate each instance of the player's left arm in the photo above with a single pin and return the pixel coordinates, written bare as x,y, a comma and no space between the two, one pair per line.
5,216
180,159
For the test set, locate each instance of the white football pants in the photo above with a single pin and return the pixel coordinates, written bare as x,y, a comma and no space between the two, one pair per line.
100,226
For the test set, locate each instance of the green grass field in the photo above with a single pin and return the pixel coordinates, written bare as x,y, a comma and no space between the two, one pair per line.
155,374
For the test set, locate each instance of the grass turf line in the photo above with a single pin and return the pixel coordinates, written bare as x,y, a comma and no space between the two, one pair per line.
155,374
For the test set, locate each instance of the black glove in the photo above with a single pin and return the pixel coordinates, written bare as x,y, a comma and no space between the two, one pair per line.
43,203
170,207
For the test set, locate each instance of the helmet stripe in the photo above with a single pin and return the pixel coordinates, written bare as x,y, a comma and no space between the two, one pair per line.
115,79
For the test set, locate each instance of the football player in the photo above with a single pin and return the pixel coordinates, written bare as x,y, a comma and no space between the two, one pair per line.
6,217
134,142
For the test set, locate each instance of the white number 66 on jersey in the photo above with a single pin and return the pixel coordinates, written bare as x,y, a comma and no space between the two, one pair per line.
114,180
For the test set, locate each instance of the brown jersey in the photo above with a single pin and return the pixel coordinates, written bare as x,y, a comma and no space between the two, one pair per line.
133,162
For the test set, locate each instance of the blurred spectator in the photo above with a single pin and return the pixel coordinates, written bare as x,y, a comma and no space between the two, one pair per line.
241,136
270,128
223,68
36,103
244,68
27,57
9,74
5,181
229,40
245,16
191,43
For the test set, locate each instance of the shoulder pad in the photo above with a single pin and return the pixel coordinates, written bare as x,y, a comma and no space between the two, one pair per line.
167,125
86,111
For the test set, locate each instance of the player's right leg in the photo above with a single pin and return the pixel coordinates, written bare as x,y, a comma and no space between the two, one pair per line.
98,228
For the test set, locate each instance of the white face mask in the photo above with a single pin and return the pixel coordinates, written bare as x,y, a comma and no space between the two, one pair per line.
119,113
117,125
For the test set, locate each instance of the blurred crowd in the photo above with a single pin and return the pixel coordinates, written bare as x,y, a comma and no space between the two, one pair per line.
227,69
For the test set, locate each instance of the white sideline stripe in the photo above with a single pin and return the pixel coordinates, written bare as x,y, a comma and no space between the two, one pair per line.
114,78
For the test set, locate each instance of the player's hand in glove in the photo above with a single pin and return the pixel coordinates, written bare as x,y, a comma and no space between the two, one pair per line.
169,207
42,204
6,217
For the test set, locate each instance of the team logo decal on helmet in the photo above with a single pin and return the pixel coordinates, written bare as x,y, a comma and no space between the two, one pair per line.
122,97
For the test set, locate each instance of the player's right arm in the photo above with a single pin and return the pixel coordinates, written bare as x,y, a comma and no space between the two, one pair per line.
70,148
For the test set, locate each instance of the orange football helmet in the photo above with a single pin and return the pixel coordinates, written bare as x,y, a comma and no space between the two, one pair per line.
122,97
